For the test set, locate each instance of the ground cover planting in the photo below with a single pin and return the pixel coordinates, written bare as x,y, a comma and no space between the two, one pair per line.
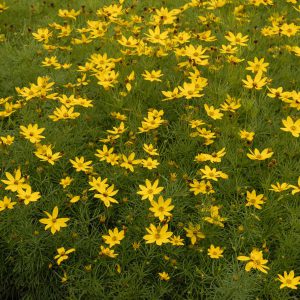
149,149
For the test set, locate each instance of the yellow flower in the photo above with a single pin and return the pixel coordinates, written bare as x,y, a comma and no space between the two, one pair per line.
45,153
156,36
98,184
215,252
118,130
257,155
114,237
7,140
149,163
3,7
164,276
64,13
255,200
170,95
215,217
153,76
42,35
129,162
176,240
80,165
212,174
32,133
66,181
255,261
212,112
201,187
280,187
63,113
52,222
161,208
149,190
28,196
194,233
247,135
106,194
255,83
289,280
275,93
15,183
104,153
108,252
158,235
257,65
291,126
6,203
149,148
62,254
189,91
237,39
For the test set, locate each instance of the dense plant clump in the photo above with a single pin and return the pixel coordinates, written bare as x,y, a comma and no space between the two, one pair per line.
149,149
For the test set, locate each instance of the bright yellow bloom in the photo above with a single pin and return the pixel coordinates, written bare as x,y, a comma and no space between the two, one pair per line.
64,13
42,35
164,276
98,184
32,133
118,130
258,65
159,235
15,183
45,153
156,36
291,126
237,39
289,280
255,200
255,83
104,153
80,165
215,252
106,193
153,76
28,196
161,208
247,135
129,162
149,163
149,148
215,217
6,203
212,112
176,240
149,190
62,254
212,174
201,187
7,140
280,187
63,113
114,237
66,181
257,155
52,222
255,261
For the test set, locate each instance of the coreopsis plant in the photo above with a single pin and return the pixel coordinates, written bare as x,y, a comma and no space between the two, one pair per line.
190,105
